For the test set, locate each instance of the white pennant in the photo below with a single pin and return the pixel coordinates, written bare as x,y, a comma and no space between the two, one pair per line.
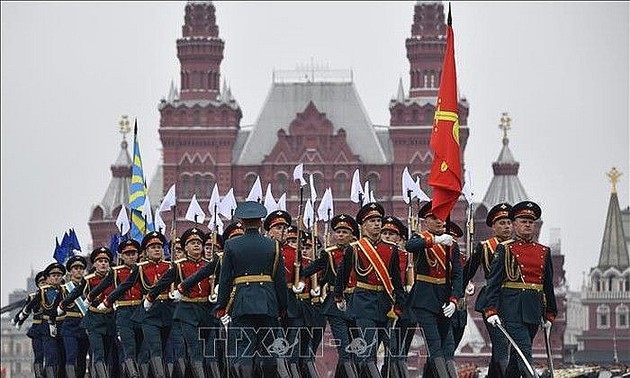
122,221
325,210
228,204
313,191
420,194
147,213
366,193
169,200
256,193
159,223
467,189
407,185
308,214
195,209
215,200
270,202
282,202
298,174
355,189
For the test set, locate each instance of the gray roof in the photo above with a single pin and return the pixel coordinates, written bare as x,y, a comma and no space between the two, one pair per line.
118,189
614,252
339,101
505,185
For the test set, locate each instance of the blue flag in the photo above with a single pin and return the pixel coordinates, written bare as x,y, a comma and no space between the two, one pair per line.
113,246
137,192
66,244
74,241
59,254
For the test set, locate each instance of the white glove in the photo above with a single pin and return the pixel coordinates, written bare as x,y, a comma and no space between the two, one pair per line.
408,288
60,311
212,298
175,295
316,292
470,288
546,324
448,309
22,316
299,288
18,326
342,305
444,239
493,320
216,290
146,304
101,307
226,319
52,329
87,303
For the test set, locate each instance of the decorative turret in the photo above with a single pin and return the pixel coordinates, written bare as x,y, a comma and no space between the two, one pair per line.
200,52
614,251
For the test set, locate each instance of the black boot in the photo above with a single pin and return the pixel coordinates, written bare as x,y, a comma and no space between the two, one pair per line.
401,367
451,369
213,370
282,368
369,370
157,367
144,370
131,368
311,370
350,370
244,371
101,369
197,369
71,371
294,370
439,368
51,371
38,369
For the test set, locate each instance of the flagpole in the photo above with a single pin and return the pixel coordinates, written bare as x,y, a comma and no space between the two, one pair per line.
314,283
298,252
410,270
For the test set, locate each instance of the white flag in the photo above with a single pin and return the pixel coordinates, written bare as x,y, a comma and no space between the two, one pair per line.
194,210
213,206
298,174
256,193
366,193
308,214
325,211
215,221
228,204
282,202
420,194
159,223
147,213
408,186
270,202
467,189
122,222
355,189
372,199
313,191
169,200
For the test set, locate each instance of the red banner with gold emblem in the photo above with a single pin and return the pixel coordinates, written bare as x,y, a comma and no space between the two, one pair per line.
446,172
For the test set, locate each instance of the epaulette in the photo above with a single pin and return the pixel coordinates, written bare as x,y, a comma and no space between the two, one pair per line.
332,248
507,242
390,243
118,267
89,276
32,296
180,260
207,261
45,287
354,244
143,263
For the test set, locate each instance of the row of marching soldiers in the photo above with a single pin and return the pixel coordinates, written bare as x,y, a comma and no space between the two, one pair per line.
255,302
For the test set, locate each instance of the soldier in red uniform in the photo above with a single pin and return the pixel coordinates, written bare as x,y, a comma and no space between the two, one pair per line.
130,332
433,298
378,288
520,286
156,323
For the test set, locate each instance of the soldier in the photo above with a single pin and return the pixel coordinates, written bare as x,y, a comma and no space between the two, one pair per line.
156,323
129,332
48,299
75,339
343,226
394,231
38,328
499,220
98,322
252,291
276,224
192,309
378,288
520,286
433,298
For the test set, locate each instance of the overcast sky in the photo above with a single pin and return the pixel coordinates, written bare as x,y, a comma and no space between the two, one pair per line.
70,70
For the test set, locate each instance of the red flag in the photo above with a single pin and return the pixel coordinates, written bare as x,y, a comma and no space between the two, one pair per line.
446,173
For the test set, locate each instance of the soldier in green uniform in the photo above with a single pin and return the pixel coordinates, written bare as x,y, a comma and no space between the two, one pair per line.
520,286
252,292
498,219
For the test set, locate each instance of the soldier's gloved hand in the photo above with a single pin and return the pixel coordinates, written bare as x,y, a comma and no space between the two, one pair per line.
60,310
470,288
226,319
408,288
448,309
342,306
444,239
22,316
216,290
101,306
299,288
18,326
212,298
315,292
52,329
147,304
493,320
546,324
175,295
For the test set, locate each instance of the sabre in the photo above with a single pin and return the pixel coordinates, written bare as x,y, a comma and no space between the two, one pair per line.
518,350
549,350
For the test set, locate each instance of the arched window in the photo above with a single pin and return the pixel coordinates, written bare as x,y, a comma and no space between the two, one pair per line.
603,317
621,312
186,186
341,185
196,118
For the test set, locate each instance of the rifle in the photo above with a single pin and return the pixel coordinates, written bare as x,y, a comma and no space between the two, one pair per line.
410,276
298,249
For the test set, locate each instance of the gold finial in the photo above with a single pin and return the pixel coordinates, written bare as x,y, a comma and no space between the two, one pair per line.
506,124
124,126
613,175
